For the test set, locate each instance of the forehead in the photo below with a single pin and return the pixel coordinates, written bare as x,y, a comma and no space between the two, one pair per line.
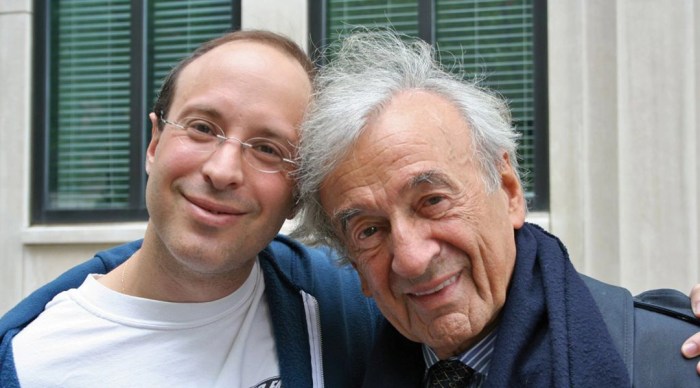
245,56
419,117
250,88
252,76
416,133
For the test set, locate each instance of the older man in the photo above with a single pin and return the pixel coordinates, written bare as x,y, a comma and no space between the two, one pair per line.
418,185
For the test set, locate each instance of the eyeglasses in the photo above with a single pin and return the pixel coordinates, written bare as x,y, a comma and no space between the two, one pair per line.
262,154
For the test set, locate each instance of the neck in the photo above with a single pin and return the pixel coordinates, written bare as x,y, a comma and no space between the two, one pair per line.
154,273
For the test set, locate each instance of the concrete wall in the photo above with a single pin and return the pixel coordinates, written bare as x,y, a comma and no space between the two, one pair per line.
15,114
623,138
623,143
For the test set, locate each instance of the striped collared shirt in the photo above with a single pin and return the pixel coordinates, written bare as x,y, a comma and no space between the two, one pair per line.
477,357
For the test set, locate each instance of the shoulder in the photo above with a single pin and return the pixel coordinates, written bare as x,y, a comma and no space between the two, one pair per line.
292,266
30,307
649,329
307,267
663,321
294,272
672,303
660,305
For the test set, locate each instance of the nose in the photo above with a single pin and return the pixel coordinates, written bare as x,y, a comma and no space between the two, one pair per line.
224,167
413,249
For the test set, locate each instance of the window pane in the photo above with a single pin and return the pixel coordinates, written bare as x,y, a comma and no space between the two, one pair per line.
178,29
494,39
89,112
343,15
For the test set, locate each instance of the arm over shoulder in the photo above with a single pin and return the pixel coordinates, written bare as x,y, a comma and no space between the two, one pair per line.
648,331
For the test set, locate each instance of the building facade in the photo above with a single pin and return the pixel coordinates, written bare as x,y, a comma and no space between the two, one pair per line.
620,109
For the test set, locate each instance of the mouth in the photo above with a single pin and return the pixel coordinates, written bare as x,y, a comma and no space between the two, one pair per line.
451,280
213,209
212,213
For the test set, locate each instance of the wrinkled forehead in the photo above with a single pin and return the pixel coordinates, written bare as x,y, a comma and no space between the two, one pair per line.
415,136
414,121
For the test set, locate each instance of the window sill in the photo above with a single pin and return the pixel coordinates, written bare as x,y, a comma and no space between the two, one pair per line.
84,233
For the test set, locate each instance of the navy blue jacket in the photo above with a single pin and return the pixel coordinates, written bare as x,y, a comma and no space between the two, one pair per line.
324,327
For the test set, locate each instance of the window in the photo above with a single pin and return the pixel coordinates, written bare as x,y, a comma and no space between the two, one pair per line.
99,65
503,41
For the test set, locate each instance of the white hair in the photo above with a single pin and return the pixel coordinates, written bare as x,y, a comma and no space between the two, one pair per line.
368,69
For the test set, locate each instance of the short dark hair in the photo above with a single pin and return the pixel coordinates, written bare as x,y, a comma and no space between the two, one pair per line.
274,40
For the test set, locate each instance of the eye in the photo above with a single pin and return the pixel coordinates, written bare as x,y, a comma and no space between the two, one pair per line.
434,206
434,200
266,149
199,129
367,232
366,237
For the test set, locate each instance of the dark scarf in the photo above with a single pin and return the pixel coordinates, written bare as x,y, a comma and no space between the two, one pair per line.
551,332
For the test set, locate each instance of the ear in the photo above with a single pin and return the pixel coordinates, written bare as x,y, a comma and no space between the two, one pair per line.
363,282
510,183
155,138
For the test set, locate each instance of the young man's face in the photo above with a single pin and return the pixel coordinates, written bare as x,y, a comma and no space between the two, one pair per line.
211,211
432,246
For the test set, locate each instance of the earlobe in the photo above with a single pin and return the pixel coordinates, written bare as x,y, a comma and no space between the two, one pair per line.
513,189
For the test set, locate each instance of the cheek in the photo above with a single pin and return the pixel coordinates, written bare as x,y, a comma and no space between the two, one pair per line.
170,159
275,190
376,276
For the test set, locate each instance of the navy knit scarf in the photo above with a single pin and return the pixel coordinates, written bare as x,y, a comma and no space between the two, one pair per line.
551,333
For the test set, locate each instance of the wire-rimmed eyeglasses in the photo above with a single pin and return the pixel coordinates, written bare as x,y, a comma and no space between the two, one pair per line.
264,155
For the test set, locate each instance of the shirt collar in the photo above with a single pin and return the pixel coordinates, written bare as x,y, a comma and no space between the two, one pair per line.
478,357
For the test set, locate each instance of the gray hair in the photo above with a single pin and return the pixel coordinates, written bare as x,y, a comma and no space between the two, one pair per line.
369,68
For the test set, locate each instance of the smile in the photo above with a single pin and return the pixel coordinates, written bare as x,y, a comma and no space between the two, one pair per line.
210,213
438,287
212,207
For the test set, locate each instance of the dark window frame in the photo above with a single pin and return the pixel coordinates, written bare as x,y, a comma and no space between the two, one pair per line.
426,16
41,213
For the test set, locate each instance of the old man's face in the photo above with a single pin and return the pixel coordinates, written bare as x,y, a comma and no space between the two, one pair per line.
432,246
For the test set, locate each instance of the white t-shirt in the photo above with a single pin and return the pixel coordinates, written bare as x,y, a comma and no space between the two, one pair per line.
94,336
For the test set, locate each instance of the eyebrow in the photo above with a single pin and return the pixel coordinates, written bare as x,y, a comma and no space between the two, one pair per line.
430,177
343,217
200,110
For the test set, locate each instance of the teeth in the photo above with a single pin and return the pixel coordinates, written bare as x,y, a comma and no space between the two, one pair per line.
439,287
